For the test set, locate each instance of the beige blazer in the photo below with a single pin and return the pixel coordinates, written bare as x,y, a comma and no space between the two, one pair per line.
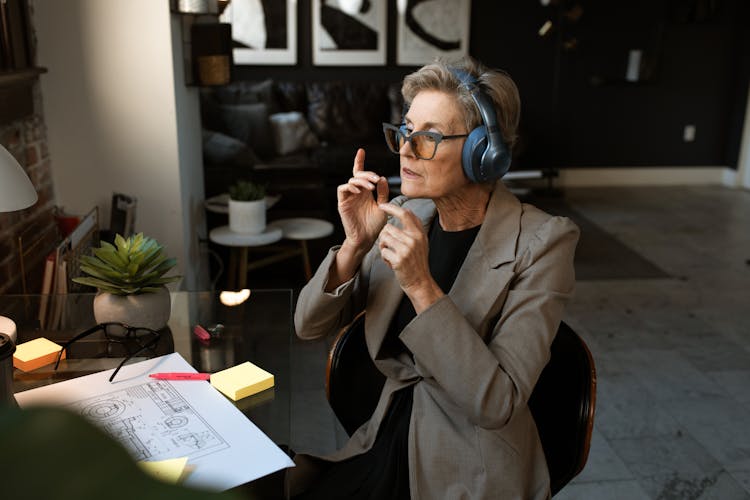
478,352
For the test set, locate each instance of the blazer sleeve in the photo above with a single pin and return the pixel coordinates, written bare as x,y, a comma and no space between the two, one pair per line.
490,381
319,313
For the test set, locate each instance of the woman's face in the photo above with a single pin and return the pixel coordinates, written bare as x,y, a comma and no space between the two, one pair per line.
434,111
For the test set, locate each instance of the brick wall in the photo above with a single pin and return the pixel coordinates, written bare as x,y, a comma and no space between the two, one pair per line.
26,139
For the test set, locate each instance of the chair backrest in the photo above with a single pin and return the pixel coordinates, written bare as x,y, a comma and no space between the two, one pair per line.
562,402
353,383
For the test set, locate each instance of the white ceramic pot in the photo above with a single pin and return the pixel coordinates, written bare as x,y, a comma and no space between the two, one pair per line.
248,217
149,310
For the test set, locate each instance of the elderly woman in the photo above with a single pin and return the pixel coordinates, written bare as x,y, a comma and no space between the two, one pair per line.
464,288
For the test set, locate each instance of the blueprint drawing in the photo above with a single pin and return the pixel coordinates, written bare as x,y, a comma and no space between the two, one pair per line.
153,421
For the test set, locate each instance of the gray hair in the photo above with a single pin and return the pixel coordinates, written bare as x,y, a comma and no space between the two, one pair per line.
497,84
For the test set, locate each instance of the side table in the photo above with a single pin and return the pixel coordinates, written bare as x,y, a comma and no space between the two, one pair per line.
303,229
239,243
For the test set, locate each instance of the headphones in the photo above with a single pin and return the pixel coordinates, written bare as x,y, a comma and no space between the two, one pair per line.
485,155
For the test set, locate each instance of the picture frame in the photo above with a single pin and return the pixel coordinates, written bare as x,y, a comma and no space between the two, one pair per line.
427,30
342,36
264,32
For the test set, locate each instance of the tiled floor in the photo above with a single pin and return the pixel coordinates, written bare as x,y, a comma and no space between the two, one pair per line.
672,354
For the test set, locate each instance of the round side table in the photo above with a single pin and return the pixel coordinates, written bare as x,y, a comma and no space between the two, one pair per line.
303,229
239,243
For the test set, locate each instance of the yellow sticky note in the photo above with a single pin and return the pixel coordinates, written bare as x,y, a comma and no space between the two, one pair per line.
35,354
169,471
242,380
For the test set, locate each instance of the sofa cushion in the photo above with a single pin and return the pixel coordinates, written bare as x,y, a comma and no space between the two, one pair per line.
291,133
219,149
291,96
249,92
347,112
249,123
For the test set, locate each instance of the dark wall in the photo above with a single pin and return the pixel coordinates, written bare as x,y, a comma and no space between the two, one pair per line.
578,109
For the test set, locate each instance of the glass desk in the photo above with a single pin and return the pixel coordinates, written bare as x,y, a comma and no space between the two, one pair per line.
259,330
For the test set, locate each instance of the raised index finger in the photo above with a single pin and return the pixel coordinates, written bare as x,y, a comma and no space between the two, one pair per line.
359,161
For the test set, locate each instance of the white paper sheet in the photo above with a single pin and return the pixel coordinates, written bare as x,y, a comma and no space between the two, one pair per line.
160,419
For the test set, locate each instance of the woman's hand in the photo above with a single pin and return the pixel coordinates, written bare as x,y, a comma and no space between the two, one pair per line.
360,215
361,218
406,251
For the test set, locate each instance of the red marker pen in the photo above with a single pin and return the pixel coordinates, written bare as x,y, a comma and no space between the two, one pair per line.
201,333
180,376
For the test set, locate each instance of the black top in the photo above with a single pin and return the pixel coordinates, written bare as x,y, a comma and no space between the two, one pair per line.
383,471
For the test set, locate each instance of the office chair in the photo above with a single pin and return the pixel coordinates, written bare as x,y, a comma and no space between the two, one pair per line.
562,403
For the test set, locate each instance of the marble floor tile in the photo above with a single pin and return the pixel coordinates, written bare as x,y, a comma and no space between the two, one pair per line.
711,351
720,425
736,383
729,320
603,490
603,463
742,477
665,455
632,415
667,375
718,486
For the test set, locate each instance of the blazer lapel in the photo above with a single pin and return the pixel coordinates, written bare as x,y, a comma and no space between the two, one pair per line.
383,298
483,278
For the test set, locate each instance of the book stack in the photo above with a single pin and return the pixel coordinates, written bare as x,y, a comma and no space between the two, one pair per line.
61,265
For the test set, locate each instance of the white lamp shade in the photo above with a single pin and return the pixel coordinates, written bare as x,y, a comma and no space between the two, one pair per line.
16,190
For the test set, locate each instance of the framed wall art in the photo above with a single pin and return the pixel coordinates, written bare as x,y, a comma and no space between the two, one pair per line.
349,32
430,29
263,31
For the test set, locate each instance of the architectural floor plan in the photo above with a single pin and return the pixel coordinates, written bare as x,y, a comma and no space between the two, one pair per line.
152,420
159,419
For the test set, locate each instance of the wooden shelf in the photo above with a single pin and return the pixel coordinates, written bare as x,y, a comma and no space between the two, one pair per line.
20,77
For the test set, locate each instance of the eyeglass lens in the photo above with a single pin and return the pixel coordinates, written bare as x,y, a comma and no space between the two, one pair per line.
423,145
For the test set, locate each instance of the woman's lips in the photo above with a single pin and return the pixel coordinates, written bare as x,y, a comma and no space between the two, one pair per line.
409,174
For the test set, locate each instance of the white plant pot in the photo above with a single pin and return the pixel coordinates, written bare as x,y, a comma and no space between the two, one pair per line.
248,217
148,310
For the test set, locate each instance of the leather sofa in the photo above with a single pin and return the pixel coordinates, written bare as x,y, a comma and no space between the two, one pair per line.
298,137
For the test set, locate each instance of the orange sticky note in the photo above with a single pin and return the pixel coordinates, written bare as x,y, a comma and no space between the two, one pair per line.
35,354
242,380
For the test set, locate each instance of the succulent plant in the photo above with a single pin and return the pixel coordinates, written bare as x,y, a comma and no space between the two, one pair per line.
247,191
130,266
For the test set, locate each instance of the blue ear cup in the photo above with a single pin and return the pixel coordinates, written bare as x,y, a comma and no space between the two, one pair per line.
485,155
471,156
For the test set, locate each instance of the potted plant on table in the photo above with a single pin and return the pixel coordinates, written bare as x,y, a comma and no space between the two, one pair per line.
129,276
247,207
